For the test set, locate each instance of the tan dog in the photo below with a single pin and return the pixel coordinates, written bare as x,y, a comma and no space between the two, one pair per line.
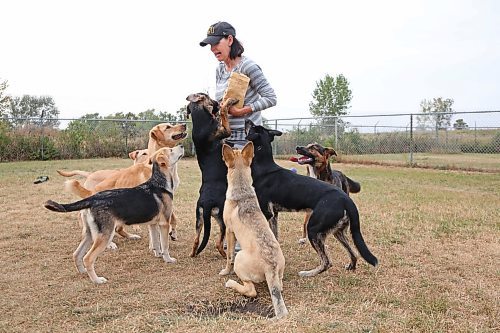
94,178
260,258
148,203
139,156
162,135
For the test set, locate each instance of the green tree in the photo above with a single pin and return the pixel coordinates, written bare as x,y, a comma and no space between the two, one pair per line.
42,110
436,113
460,124
331,97
4,99
181,114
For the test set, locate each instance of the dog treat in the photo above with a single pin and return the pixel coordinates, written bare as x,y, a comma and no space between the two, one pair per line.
237,88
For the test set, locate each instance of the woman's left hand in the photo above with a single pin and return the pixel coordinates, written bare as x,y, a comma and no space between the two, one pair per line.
239,112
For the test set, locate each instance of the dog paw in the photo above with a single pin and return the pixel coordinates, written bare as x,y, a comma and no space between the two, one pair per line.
231,283
157,253
350,267
112,246
302,241
100,280
169,259
133,237
225,271
307,273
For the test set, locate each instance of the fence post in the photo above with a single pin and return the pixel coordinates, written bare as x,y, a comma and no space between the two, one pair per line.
336,134
126,136
411,140
275,142
41,136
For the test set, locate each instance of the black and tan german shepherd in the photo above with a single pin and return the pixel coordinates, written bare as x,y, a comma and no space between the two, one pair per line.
279,189
316,158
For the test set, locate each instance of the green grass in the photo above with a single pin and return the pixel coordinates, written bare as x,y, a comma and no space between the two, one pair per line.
436,234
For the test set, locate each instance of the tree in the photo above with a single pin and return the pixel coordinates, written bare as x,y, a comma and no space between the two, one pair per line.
331,97
436,113
4,99
460,124
42,108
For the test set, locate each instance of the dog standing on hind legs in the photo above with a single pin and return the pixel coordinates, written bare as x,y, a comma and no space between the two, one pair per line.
148,203
210,127
260,258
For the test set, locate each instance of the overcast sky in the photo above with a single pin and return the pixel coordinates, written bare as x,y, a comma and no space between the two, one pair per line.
130,56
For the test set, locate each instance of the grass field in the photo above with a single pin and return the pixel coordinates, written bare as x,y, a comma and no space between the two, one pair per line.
436,234
476,162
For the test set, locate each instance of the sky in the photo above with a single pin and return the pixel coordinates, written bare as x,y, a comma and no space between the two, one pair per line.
106,56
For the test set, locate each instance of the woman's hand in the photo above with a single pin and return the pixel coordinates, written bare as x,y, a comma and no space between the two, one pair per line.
240,112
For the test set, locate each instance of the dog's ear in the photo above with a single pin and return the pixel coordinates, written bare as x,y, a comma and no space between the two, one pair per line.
195,98
330,152
247,153
228,155
162,159
273,133
133,154
156,133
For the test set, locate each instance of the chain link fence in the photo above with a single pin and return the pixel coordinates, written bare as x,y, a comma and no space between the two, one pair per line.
399,139
388,139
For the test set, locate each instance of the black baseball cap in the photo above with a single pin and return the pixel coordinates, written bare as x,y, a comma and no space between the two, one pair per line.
218,31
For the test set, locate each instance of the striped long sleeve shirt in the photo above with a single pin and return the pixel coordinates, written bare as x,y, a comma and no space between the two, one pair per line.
259,96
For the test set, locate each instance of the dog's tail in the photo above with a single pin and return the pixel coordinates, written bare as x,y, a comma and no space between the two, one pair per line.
275,287
74,186
359,242
354,186
64,208
207,225
73,173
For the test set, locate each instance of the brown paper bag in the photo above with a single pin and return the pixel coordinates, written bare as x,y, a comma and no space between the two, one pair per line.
237,88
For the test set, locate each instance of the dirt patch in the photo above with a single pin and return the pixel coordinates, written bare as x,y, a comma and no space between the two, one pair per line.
207,308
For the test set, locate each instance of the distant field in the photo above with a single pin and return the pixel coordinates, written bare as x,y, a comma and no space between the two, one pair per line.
436,234
487,162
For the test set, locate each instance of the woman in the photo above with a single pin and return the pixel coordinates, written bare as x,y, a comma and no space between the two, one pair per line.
221,37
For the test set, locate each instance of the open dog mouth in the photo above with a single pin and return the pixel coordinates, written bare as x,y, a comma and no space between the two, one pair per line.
179,136
302,159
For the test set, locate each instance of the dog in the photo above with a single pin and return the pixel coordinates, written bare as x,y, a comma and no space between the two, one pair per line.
148,203
139,156
162,135
279,189
316,158
260,258
127,178
210,127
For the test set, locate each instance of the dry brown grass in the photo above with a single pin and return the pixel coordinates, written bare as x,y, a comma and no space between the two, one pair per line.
435,233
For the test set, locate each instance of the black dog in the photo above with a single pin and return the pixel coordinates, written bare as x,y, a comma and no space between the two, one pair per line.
279,189
208,132
148,203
